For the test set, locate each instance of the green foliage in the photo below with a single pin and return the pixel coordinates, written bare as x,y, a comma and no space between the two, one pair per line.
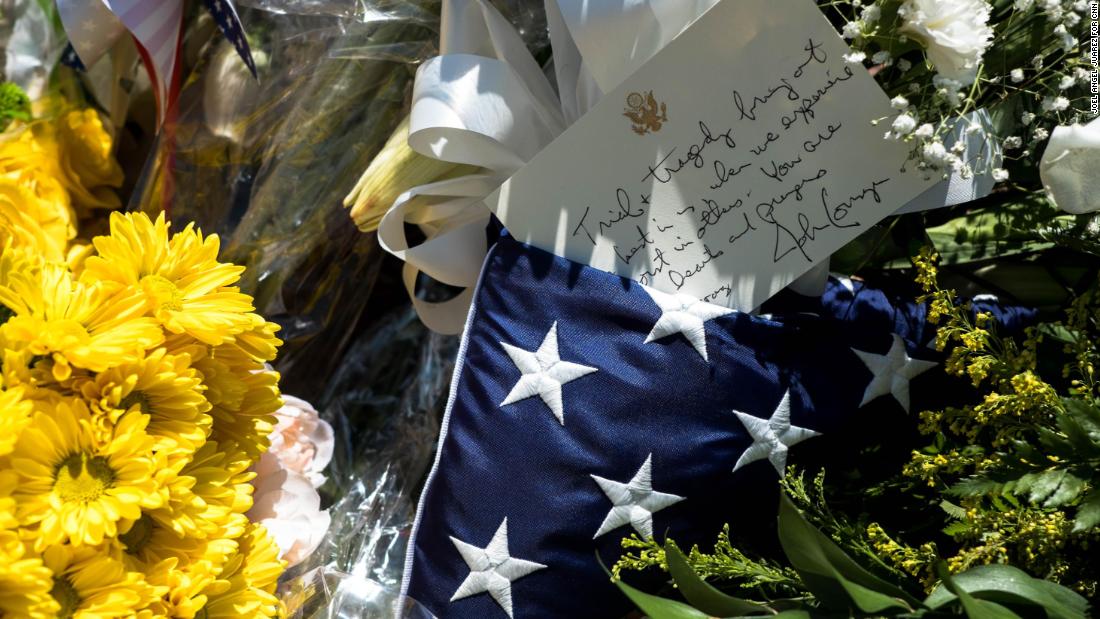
14,104
841,587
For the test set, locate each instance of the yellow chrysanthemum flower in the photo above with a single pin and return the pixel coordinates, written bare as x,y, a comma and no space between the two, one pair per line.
185,597
86,162
246,588
249,423
150,543
163,386
88,584
208,494
15,414
32,223
77,324
65,160
189,290
76,488
25,582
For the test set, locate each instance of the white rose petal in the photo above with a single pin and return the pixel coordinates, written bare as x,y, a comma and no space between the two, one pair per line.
1070,167
955,33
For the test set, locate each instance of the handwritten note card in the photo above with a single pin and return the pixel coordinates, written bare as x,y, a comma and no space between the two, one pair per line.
731,162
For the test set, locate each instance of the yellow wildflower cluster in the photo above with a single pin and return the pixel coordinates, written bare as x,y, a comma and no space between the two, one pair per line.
918,562
976,441
133,401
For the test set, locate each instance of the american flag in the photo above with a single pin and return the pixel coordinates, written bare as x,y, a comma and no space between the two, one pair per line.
585,407
157,28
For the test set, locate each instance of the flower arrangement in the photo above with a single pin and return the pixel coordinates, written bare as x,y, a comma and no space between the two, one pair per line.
134,400
1022,61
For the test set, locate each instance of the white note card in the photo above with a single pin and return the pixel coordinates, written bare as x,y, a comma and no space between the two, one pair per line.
730,163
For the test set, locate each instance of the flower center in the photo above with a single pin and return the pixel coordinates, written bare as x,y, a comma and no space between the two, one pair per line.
66,596
138,535
139,398
83,479
164,292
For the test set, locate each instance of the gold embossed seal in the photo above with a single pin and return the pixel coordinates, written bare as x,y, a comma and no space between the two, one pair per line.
645,114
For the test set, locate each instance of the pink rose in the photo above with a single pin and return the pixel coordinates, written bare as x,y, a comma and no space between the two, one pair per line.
288,506
302,441
285,500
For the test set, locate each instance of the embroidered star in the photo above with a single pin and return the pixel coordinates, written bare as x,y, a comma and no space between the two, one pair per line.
544,373
492,569
634,502
681,313
892,372
772,437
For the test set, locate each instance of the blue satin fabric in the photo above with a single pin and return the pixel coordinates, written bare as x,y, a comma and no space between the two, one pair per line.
659,398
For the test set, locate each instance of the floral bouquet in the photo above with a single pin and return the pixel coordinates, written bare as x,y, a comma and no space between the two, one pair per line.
136,401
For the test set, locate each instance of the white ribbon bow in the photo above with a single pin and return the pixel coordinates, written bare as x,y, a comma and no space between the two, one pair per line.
484,101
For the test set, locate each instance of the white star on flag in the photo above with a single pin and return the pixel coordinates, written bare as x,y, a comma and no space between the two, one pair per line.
492,569
544,373
634,502
681,313
892,372
772,437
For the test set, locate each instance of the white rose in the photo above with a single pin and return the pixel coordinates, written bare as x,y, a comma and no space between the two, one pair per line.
1070,167
955,33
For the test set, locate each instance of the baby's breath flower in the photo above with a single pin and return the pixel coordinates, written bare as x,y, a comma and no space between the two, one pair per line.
882,57
904,124
852,29
925,131
999,175
855,57
899,103
1055,104
1040,134
1013,142
904,65
1026,118
870,14
1016,75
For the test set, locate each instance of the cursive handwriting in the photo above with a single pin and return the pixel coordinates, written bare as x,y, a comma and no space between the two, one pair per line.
663,173
677,278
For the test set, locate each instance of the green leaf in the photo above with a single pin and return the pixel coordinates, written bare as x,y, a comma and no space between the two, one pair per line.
1052,487
1088,512
822,564
659,607
869,600
702,595
952,510
973,607
1009,585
